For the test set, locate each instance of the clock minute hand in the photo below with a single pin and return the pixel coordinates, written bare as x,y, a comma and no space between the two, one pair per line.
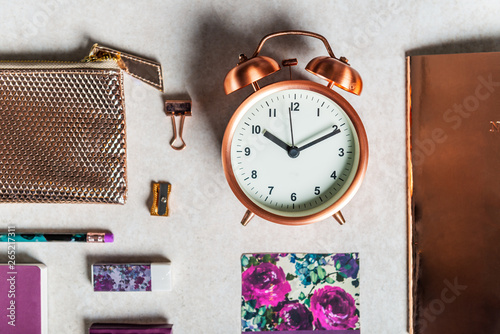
276,140
320,139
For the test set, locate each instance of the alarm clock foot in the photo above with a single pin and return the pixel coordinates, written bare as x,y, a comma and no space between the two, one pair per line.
339,217
247,217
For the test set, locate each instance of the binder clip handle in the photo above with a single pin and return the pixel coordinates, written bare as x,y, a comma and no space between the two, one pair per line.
174,137
180,108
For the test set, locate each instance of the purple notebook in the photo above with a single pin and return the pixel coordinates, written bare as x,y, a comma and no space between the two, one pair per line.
129,329
23,299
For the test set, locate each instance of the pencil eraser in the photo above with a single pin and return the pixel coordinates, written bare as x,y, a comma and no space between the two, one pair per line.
132,277
108,237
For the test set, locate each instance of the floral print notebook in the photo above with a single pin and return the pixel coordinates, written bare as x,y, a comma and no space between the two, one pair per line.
300,293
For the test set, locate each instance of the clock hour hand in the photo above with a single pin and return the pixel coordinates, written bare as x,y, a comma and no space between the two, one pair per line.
320,139
276,140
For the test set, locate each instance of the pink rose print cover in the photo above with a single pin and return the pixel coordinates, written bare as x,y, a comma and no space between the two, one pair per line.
300,293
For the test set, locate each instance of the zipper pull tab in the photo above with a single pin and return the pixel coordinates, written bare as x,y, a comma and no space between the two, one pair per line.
145,70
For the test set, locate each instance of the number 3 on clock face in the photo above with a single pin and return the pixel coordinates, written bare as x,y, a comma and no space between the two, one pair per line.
292,152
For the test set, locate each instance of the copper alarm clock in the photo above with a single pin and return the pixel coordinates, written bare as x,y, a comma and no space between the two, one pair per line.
295,151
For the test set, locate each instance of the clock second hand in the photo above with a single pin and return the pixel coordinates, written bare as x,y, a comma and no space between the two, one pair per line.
291,126
293,151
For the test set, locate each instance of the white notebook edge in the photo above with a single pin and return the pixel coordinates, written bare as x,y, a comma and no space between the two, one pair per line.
44,297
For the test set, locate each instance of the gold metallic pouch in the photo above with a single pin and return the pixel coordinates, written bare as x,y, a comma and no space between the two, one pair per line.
62,127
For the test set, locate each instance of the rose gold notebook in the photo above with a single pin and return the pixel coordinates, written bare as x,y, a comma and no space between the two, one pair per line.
454,193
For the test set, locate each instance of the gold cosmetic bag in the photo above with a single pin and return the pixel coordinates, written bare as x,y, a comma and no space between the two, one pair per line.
62,127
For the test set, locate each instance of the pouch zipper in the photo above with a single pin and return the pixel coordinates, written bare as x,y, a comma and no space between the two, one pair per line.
101,58
96,55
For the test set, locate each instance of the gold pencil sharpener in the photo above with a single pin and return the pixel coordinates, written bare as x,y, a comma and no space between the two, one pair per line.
161,193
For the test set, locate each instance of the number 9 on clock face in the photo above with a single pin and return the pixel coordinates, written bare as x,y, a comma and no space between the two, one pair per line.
292,152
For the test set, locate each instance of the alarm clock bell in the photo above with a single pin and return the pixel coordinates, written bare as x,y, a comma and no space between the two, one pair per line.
336,71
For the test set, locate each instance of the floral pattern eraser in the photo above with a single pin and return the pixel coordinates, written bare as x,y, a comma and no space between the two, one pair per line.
131,277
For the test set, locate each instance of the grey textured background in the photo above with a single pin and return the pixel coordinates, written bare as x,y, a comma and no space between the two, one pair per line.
198,42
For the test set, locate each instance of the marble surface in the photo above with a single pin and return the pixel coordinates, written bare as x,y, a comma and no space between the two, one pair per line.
198,42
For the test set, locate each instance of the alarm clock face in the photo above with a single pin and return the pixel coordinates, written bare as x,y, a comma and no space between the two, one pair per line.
293,152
